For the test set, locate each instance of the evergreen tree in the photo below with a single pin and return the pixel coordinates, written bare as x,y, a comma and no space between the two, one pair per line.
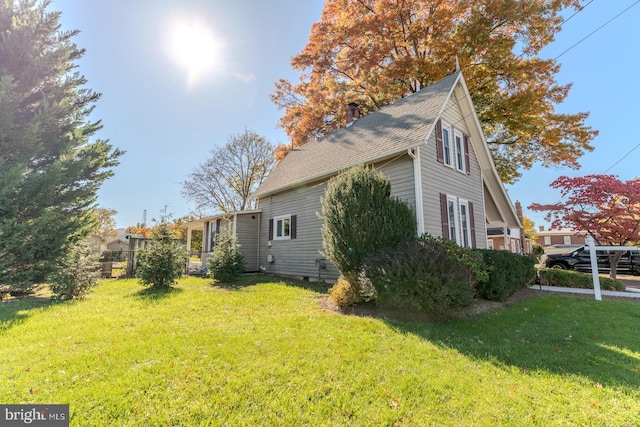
163,261
50,169
227,262
76,274
361,218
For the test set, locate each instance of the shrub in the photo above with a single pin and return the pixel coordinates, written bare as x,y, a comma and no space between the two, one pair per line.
227,262
345,293
360,218
536,252
423,273
162,262
76,274
574,279
506,272
469,257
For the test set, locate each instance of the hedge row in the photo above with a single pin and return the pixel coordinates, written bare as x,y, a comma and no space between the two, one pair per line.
506,272
435,275
574,279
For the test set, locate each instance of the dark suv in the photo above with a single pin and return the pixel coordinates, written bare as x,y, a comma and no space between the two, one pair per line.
579,259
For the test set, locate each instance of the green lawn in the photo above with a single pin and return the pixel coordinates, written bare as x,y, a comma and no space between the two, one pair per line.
266,353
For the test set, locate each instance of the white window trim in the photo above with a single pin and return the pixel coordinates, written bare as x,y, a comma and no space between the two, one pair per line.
467,223
456,203
460,152
447,127
281,218
452,201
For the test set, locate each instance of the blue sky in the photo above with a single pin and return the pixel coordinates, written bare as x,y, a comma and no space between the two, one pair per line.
167,118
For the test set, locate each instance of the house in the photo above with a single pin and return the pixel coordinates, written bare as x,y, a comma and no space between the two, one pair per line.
560,236
429,145
514,240
243,224
118,247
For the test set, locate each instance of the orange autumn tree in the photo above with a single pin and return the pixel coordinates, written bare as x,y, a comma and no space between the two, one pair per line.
374,52
605,207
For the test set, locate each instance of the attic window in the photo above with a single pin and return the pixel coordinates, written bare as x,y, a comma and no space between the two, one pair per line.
459,148
446,144
452,147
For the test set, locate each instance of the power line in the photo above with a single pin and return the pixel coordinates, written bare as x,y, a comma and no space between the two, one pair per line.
596,30
571,47
622,158
576,12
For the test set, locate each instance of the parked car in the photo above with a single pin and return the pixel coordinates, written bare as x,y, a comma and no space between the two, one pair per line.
579,259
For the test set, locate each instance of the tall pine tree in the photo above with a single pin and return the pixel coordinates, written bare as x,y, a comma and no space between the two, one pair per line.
50,169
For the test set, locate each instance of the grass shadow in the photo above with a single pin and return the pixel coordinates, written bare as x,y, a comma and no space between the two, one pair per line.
15,311
156,295
562,335
247,280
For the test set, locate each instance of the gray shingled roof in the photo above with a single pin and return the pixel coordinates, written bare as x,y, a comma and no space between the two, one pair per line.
380,134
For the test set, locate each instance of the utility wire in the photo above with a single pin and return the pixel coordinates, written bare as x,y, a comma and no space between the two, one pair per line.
622,158
576,12
596,30
571,47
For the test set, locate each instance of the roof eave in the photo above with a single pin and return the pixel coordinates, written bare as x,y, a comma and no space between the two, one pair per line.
334,172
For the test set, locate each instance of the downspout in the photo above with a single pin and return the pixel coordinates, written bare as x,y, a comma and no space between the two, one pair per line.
417,183
234,226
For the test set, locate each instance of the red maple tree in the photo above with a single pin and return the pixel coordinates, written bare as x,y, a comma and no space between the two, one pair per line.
607,208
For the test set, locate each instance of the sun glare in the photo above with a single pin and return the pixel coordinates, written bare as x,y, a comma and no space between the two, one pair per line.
194,47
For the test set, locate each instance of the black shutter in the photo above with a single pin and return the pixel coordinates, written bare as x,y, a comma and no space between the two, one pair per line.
439,146
271,229
444,214
293,233
466,155
472,224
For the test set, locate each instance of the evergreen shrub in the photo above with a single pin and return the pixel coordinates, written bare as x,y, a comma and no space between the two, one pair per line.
226,263
505,273
427,273
76,274
361,218
574,279
163,261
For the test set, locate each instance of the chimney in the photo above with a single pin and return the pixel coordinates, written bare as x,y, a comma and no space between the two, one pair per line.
519,212
353,113
541,228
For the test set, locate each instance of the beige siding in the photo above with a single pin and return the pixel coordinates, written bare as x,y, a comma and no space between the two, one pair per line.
399,171
439,178
297,257
246,230
247,227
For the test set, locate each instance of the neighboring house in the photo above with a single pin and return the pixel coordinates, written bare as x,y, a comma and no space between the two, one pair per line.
243,224
514,240
561,236
429,145
120,244
117,249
